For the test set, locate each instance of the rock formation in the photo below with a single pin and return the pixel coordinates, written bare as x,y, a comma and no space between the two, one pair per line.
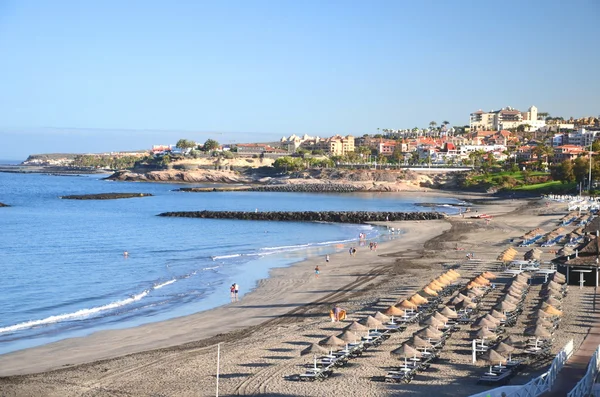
312,216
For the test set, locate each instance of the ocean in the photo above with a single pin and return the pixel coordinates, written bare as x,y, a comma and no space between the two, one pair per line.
64,273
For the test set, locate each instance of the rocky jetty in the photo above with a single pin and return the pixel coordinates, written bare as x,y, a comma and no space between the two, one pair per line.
289,188
312,216
4,205
104,196
309,188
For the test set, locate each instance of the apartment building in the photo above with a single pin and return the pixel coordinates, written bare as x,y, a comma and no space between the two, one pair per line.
505,118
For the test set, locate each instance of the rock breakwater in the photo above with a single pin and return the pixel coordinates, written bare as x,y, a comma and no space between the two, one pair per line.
104,196
4,205
287,188
312,216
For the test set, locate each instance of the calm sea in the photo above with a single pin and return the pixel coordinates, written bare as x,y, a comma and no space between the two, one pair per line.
64,273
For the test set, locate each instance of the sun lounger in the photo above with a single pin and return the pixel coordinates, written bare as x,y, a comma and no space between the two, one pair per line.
495,378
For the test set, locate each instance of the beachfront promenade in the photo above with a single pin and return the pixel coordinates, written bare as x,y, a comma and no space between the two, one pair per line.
577,365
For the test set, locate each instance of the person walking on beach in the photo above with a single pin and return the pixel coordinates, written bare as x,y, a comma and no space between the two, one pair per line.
327,258
232,291
317,270
236,289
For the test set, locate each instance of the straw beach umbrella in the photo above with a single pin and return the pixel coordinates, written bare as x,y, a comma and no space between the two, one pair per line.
434,322
440,317
332,342
357,327
553,301
539,332
503,348
372,323
405,304
549,309
381,317
429,291
429,333
484,322
498,315
489,275
315,350
505,306
348,337
394,312
491,357
446,311
491,318
406,351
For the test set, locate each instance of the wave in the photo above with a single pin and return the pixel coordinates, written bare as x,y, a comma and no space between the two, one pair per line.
214,258
164,284
84,313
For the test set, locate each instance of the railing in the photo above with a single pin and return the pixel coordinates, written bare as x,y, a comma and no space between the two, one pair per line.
585,385
536,386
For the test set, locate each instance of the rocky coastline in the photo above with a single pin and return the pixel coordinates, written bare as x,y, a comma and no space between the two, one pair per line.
311,216
287,188
104,196
4,205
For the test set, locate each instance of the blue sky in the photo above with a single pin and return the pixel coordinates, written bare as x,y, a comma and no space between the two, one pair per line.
83,76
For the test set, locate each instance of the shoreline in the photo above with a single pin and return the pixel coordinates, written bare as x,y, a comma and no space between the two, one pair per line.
262,335
204,325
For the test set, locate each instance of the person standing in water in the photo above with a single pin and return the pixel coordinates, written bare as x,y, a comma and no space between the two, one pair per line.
236,290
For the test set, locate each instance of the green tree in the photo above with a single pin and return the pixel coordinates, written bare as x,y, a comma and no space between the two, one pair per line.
210,145
580,168
184,144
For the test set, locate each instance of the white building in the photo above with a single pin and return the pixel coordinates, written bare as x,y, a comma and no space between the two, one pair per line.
504,119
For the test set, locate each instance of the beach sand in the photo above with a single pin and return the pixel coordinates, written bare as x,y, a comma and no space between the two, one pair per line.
262,335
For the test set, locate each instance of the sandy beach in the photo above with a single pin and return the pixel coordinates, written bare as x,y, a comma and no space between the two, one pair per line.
262,335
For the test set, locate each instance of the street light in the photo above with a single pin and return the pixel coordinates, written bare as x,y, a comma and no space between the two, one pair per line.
590,173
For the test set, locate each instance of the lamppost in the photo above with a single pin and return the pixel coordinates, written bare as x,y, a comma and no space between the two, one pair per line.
590,173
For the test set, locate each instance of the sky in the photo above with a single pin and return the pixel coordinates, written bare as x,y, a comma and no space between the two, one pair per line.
95,76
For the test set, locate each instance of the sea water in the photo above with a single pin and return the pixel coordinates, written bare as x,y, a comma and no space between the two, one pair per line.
63,272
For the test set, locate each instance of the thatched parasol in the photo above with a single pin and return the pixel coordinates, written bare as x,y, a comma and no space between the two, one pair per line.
446,311
464,304
405,304
484,322
491,356
406,351
505,306
429,332
553,301
417,341
497,314
484,333
440,317
537,331
492,319
381,317
393,311
417,300
489,275
481,280
372,323
349,336
434,322
565,251
316,350
510,299
532,255
332,341
357,327
551,310
429,291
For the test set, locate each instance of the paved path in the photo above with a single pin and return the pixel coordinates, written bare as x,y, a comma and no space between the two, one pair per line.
576,367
